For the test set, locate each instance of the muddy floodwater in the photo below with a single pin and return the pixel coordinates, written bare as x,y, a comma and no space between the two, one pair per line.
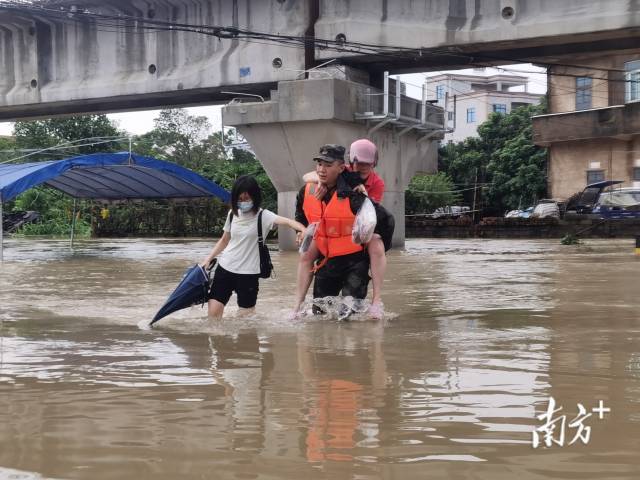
480,335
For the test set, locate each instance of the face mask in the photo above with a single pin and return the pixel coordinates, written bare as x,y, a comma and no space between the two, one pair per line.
244,207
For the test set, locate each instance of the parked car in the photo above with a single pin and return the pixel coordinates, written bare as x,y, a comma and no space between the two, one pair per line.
618,203
453,211
546,209
543,209
594,201
526,213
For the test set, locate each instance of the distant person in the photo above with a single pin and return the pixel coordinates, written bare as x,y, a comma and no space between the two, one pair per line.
237,250
363,156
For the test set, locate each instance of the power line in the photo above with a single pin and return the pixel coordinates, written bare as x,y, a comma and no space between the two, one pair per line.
119,22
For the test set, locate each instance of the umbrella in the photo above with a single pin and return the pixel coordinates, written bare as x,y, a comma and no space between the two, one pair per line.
192,289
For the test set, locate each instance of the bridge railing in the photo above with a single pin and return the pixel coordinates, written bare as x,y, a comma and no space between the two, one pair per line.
390,106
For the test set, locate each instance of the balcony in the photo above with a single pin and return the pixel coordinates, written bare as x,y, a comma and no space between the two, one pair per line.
618,122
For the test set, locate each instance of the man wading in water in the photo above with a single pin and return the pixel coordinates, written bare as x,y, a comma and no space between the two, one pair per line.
343,265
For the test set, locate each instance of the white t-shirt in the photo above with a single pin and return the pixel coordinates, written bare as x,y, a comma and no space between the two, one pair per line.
241,254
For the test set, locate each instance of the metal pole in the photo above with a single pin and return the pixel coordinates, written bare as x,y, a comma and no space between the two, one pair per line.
475,190
398,98
73,222
385,107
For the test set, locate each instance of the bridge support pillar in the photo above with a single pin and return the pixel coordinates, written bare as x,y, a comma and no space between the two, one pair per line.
287,131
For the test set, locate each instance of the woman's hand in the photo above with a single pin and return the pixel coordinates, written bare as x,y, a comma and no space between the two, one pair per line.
360,188
299,236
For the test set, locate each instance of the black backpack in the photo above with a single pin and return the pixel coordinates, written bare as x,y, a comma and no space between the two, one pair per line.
266,267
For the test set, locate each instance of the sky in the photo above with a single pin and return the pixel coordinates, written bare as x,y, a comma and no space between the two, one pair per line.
140,122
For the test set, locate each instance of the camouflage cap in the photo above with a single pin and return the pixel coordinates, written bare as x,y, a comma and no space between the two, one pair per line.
331,153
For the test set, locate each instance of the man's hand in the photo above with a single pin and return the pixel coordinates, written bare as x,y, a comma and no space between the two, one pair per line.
299,237
321,191
360,188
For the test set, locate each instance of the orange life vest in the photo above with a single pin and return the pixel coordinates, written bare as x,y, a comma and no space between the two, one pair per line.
335,222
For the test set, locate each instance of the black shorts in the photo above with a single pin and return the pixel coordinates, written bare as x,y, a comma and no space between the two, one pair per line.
225,283
348,274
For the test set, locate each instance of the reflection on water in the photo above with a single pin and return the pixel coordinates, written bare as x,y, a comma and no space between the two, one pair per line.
481,334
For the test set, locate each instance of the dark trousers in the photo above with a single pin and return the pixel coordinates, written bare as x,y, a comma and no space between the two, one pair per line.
346,274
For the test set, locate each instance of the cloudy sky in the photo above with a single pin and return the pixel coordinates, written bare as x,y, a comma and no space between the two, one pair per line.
140,122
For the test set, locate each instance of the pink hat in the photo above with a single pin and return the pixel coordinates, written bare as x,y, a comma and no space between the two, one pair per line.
363,151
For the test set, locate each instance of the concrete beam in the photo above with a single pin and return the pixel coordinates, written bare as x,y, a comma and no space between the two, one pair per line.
458,32
618,121
51,65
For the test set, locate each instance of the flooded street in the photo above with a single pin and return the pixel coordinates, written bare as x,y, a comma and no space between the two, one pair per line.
480,334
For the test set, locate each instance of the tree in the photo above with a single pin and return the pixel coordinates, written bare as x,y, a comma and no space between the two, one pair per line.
504,157
54,207
40,134
7,147
428,192
181,138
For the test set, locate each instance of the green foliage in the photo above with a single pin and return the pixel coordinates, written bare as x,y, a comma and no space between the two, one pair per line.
570,239
428,192
161,217
177,137
7,146
56,211
504,157
41,134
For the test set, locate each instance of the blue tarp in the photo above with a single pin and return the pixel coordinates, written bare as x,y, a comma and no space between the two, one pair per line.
108,176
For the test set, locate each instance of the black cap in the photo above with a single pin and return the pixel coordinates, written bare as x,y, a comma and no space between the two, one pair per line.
330,153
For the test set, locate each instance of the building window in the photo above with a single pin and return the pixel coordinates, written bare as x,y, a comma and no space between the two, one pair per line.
450,116
500,108
471,115
594,176
440,92
632,81
583,93
636,174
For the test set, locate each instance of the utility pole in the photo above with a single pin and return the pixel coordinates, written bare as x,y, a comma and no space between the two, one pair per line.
475,190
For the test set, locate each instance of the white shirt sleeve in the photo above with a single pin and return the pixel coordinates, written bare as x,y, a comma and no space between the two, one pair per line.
268,219
227,223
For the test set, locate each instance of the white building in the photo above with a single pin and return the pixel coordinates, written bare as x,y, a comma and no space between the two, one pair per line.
469,99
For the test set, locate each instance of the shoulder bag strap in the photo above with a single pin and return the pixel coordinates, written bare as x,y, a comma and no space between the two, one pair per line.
260,239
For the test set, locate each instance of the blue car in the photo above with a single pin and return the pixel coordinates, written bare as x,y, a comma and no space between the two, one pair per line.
618,203
612,203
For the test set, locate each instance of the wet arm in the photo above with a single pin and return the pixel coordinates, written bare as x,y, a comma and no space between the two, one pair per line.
310,177
297,226
217,248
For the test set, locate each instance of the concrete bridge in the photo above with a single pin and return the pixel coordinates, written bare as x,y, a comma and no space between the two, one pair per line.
316,67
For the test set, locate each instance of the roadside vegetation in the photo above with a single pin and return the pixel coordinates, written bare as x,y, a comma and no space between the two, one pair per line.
503,166
497,171
176,137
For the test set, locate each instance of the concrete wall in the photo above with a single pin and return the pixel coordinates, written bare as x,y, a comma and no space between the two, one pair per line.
570,162
606,71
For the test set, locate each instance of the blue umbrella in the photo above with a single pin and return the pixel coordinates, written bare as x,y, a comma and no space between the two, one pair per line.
193,289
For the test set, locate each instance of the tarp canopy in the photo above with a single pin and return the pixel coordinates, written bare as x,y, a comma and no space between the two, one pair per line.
109,176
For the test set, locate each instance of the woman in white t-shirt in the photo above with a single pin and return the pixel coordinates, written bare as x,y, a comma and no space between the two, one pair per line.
237,250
